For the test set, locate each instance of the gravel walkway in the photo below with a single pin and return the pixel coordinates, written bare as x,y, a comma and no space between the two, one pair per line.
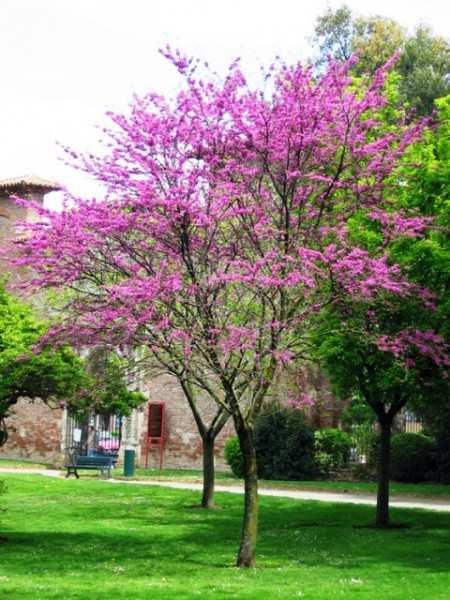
342,498
27,471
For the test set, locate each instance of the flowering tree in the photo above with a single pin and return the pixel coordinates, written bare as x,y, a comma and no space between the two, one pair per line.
224,230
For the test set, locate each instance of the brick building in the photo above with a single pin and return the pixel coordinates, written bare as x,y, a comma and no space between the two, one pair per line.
41,433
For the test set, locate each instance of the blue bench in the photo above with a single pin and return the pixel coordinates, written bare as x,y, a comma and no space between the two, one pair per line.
100,463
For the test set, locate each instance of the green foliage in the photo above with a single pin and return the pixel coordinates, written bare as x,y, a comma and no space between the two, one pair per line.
284,444
411,458
442,454
344,338
423,65
233,457
357,413
334,33
106,390
375,40
346,346
332,449
358,418
437,422
426,173
50,374
19,329
363,437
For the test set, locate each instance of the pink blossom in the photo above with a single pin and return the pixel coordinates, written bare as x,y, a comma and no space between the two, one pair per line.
223,228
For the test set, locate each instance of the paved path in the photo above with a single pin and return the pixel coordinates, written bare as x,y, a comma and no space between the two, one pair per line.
31,471
342,498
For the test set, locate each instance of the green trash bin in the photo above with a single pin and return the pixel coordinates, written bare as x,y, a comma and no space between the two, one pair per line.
128,463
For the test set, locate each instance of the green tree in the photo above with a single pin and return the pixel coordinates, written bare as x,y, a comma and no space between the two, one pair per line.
347,343
348,336
428,259
50,374
333,34
424,63
106,389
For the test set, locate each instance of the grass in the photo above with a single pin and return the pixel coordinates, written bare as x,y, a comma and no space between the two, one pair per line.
356,487
92,540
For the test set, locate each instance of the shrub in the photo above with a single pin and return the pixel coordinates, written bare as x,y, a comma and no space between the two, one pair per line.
233,456
284,444
411,457
332,449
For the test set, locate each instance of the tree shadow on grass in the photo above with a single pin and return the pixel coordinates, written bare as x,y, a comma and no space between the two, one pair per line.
341,531
157,531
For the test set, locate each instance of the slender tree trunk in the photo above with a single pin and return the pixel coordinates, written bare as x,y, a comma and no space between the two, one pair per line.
3,431
247,548
208,471
384,463
208,435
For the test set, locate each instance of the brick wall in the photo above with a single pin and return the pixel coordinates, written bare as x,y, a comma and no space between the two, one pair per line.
183,445
39,429
35,432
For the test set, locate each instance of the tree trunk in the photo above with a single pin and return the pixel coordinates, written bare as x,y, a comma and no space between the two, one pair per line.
247,548
3,431
384,462
208,471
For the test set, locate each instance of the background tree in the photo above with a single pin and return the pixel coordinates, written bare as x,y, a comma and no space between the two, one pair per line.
48,374
55,376
424,63
223,231
428,259
405,366
107,387
356,341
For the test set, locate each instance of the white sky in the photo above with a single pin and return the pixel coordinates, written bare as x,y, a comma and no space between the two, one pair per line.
65,62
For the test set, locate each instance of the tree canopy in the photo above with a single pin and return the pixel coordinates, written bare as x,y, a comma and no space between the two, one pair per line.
358,343
424,63
47,374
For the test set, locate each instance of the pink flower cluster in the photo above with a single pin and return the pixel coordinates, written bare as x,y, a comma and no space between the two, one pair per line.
413,341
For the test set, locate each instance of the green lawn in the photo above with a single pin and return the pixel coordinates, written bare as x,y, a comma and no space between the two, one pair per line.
356,487
92,540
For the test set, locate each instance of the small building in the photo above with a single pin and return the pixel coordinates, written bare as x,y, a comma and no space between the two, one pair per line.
29,187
